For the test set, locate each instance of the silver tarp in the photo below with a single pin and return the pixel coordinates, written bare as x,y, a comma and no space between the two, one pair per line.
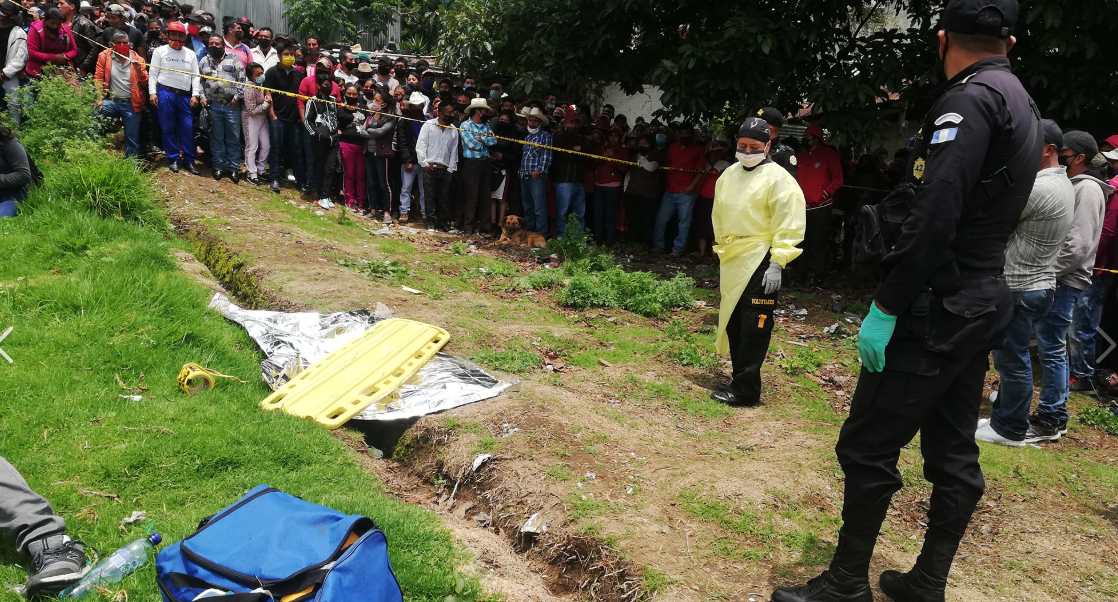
294,341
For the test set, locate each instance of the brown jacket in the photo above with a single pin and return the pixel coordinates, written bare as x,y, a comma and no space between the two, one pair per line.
139,77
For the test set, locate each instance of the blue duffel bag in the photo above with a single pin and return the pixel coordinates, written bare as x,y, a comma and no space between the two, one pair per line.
274,546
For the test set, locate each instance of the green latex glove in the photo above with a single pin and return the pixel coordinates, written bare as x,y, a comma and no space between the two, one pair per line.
874,336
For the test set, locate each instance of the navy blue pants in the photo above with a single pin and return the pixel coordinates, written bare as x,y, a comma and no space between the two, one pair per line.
176,119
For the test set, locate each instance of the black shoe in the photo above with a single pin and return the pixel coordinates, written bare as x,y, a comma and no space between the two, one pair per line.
823,589
193,169
1043,430
899,587
1082,385
731,399
235,177
302,188
217,175
255,181
55,568
174,167
275,186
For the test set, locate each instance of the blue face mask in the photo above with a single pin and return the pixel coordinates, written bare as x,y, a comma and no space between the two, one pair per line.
259,80
429,84
661,139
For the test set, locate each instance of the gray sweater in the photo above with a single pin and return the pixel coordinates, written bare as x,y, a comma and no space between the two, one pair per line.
1077,257
1041,233
15,171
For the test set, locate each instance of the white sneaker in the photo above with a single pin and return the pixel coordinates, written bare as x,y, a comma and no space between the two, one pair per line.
987,433
326,203
983,422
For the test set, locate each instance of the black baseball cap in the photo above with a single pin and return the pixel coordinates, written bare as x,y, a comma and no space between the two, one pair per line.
961,16
1081,142
771,116
1052,133
755,128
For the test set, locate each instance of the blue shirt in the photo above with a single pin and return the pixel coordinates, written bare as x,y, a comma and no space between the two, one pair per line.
536,158
200,47
472,148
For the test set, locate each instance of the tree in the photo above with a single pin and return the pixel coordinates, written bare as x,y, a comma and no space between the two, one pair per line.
853,61
339,20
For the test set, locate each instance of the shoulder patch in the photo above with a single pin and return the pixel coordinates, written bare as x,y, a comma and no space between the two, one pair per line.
792,161
944,135
918,168
949,118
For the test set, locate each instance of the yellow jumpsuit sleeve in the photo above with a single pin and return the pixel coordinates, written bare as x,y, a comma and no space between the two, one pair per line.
789,219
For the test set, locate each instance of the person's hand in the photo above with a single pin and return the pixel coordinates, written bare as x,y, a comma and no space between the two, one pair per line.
430,167
193,101
874,337
97,105
154,98
577,149
771,279
689,190
61,59
202,100
233,102
408,167
535,175
496,156
479,138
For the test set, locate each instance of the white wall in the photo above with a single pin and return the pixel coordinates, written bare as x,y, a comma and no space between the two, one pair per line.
637,105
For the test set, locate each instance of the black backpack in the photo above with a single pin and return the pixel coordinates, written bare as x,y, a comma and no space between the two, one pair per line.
877,227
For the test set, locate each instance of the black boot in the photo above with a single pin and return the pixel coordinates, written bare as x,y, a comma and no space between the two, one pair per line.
846,581
927,581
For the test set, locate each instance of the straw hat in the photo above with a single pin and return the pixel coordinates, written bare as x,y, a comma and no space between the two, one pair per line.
538,114
417,99
478,104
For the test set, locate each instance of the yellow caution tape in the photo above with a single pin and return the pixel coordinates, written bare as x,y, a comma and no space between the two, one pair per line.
400,117
194,378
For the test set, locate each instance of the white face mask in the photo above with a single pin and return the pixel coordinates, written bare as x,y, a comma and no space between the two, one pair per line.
751,159
533,131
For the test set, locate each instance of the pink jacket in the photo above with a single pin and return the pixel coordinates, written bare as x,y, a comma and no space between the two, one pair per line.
42,48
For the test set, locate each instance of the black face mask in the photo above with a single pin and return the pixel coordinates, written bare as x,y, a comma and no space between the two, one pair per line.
1064,159
370,94
263,43
685,140
351,101
240,35
153,35
351,66
165,13
217,53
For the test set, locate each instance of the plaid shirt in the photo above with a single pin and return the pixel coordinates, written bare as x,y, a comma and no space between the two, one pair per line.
536,158
471,147
230,69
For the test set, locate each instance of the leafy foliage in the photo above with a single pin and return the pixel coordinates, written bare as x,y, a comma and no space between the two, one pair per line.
1100,418
59,114
516,361
337,20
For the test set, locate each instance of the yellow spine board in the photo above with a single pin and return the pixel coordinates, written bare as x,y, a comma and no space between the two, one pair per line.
360,373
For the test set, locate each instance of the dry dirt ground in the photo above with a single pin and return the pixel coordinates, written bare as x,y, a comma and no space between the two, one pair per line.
647,488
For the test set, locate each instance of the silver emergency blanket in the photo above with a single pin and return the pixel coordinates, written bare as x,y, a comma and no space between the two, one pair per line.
294,341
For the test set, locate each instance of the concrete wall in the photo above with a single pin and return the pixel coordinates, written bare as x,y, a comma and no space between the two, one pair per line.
636,105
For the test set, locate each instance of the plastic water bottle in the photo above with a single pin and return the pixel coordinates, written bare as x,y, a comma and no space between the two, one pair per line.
119,565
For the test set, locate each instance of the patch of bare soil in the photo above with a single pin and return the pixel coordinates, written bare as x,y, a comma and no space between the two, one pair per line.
641,488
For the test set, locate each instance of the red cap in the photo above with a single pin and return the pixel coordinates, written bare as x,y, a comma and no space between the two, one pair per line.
815,130
570,116
617,130
601,117
176,26
1112,141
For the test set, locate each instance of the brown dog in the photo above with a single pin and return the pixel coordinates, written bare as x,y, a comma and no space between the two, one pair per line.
513,233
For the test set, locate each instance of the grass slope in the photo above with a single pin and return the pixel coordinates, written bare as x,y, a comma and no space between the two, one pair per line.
92,297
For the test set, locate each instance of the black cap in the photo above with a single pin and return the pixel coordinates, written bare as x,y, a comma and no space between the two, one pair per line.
755,128
771,116
1052,133
1080,142
196,18
9,7
961,16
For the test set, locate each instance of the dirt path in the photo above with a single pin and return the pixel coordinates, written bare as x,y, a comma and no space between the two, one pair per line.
646,487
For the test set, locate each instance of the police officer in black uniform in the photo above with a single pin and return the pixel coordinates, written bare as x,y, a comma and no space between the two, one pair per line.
941,307
780,153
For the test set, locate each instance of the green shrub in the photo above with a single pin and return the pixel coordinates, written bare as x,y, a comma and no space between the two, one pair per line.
61,113
458,248
540,279
1100,418
387,269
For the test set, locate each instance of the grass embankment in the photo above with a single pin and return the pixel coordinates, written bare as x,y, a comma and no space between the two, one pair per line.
93,292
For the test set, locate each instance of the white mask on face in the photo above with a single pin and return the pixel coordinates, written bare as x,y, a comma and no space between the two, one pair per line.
750,159
533,131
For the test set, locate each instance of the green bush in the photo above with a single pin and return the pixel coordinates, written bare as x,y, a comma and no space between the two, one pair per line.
1100,418
61,113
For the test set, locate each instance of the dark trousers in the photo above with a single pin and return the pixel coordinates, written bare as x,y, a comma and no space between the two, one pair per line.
476,193
605,213
325,162
287,143
376,174
816,238
640,212
749,330
440,207
887,411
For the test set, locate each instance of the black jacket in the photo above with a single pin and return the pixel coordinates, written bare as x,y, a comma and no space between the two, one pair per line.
83,28
406,138
567,167
15,171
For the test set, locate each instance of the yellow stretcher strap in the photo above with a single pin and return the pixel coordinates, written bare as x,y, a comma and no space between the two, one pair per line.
194,378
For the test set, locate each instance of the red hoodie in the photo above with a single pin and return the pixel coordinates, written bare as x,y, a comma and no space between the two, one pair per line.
42,47
1107,256
819,173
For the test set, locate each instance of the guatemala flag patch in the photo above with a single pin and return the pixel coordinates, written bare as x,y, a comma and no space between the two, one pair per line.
944,135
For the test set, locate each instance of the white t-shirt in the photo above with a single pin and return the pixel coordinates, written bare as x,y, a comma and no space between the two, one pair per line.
183,59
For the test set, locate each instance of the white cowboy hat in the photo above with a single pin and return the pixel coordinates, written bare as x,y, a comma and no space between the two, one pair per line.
417,99
478,103
538,114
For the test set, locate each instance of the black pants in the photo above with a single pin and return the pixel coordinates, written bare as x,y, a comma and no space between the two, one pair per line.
325,163
887,410
816,238
749,330
476,193
437,189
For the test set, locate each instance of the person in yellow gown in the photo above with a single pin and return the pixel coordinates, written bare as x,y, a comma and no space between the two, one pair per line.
759,218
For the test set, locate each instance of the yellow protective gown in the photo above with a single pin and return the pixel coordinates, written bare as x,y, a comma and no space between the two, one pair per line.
755,212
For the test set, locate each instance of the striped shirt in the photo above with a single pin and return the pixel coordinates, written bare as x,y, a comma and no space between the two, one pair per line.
536,158
1039,236
228,69
472,148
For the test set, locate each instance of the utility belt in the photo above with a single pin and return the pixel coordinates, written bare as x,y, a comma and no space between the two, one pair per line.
127,99
972,314
175,91
221,98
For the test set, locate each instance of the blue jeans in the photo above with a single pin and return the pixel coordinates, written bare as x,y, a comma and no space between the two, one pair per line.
533,193
1015,395
569,198
9,208
1084,322
225,137
1051,343
285,139
605,213
112,109
176,119
681,205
